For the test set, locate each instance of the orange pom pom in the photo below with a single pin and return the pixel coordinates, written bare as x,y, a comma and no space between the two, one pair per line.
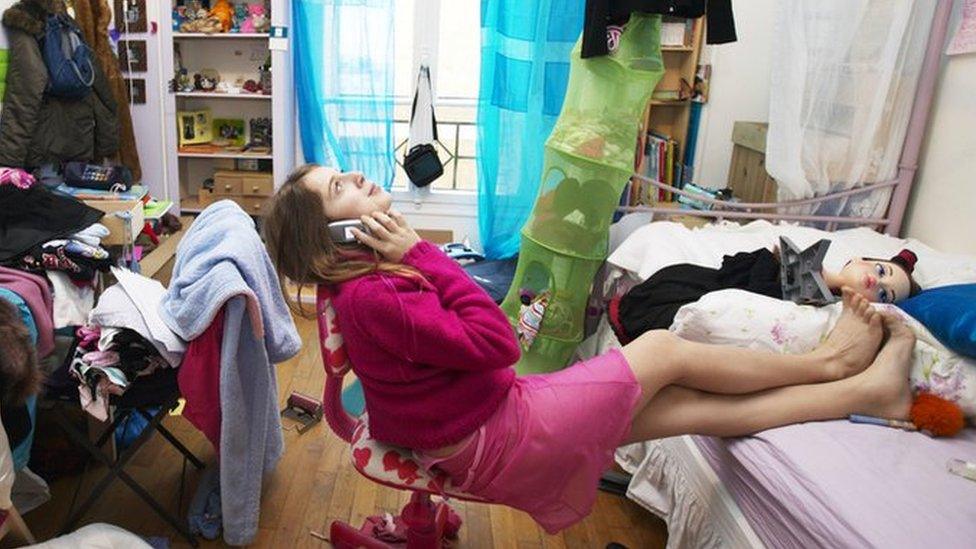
937,415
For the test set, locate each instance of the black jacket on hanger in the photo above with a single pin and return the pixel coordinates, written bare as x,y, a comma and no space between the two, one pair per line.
600,13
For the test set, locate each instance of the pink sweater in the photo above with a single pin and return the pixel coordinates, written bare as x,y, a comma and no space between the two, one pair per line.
434,357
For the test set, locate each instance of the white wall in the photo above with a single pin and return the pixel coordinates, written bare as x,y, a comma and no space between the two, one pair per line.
738,90
942,211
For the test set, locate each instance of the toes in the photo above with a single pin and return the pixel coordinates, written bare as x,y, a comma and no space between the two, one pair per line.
892,321
875,319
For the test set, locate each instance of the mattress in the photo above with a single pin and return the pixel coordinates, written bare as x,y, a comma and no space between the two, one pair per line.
673,480
835,484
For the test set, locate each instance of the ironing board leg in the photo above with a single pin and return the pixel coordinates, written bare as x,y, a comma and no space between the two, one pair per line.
174,441
116,470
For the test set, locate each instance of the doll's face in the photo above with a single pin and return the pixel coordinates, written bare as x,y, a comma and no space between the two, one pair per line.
878,281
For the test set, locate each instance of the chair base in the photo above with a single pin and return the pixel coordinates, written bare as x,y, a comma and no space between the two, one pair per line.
422,524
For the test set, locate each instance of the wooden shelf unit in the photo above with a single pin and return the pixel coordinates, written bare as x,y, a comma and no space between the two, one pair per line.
236,57
670,117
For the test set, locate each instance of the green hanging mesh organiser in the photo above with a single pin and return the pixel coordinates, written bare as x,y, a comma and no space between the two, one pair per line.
588,160
3,72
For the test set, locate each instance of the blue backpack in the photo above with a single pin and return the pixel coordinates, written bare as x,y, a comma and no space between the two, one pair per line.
67,58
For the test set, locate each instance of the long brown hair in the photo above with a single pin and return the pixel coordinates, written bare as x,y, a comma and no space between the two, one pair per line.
297,237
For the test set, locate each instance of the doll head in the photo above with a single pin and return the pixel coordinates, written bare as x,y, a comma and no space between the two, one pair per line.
881,280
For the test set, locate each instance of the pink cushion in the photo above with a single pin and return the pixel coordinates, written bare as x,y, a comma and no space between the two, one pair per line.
395,467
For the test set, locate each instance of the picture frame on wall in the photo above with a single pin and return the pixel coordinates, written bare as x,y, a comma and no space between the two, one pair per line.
132,18
136,88
132,56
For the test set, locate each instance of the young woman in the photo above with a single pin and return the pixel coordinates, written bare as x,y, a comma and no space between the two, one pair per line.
434,356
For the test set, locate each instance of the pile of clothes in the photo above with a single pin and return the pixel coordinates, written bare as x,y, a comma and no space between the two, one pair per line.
125,338
57,237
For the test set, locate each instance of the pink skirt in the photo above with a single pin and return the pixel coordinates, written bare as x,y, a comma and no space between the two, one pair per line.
543,451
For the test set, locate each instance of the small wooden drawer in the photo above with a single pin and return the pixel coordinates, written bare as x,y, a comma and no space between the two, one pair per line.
257,185
227,183
252,204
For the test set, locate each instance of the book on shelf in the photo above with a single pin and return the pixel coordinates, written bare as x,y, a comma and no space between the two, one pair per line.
662,163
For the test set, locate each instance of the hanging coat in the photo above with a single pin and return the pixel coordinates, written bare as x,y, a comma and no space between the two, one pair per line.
36,128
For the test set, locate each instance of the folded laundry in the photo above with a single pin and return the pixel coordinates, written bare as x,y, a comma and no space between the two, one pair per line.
107,365
133,304
91,235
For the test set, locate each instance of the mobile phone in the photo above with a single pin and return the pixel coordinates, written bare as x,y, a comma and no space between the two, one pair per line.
341,231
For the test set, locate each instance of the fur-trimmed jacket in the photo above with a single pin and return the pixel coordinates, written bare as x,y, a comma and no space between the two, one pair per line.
35,128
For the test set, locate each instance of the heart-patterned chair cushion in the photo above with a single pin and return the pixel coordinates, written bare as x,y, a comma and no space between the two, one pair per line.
396,467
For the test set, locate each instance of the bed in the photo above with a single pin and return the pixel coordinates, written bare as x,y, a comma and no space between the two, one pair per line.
824,484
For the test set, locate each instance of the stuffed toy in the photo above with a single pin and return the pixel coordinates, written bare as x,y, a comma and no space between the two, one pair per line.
224,12
257,20
240,16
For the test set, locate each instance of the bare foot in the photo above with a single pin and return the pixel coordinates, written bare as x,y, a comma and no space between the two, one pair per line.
854,341
885,383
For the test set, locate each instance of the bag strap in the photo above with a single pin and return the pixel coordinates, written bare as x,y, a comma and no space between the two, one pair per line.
424,72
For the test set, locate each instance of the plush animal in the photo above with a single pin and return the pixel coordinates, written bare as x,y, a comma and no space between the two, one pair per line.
240,16
199,19
178,17
258,20
224,12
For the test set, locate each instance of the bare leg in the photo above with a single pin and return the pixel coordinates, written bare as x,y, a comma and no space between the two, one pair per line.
882,390
659,358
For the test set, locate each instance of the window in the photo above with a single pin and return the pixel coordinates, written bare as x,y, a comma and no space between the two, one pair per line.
450,43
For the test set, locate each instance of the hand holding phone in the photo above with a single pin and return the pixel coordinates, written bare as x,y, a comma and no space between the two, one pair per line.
388,233
341,231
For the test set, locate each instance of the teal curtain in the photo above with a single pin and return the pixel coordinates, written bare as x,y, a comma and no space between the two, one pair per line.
344,84
525,48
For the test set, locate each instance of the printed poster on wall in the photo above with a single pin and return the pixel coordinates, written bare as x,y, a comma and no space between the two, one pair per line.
964,41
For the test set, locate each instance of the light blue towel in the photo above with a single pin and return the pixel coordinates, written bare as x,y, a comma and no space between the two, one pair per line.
222,263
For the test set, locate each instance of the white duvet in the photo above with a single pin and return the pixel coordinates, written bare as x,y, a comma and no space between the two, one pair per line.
735,317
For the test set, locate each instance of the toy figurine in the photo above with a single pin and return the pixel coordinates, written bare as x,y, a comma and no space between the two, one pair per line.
182,82
206,80
265,76
224,13
240,15
178,17
257,20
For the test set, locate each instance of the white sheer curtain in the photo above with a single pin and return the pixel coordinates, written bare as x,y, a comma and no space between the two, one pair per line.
842,85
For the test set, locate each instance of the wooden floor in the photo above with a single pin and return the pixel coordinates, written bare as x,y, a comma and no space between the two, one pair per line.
315,484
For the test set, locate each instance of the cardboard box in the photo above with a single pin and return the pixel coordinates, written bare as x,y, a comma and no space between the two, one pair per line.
116,225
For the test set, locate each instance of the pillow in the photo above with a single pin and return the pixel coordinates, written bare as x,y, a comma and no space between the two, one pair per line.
745,319
949,313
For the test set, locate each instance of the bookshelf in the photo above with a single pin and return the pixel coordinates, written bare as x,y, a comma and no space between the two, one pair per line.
669,110
237,57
